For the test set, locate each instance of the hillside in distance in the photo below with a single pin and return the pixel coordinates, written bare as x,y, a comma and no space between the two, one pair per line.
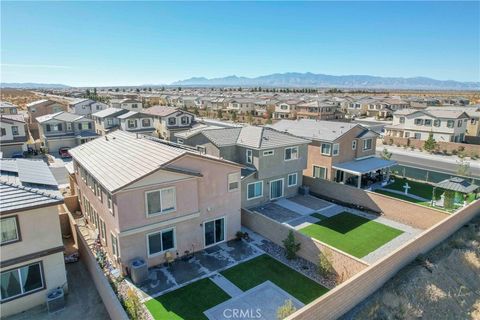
293,79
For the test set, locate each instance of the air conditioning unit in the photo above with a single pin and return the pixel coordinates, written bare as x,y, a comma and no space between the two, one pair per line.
138,270
304,190
55,300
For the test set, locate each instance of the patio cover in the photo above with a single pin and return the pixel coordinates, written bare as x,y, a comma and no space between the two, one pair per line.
363,166
457,184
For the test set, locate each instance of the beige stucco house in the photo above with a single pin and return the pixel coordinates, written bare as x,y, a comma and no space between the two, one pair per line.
146,197
31,252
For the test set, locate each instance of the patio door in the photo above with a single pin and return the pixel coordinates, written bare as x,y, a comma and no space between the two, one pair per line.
214,231
276,189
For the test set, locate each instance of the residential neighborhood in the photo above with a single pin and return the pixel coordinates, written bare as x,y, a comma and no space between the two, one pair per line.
239,160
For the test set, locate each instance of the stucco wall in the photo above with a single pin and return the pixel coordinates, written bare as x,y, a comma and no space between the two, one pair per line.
344,297
469,149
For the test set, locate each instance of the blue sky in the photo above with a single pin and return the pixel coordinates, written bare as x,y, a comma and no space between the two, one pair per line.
135,43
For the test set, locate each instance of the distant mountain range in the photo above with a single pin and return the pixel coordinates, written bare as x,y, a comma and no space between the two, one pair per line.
31,85
308,79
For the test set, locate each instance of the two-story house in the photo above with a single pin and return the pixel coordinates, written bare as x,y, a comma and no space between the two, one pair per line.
86,106
444,125
107,120
129,104
147,197
43,107
286,109
137,122
473,112
241,105
319,110
13,135
170,120
31,255
340,152
64,130
272,161
8,108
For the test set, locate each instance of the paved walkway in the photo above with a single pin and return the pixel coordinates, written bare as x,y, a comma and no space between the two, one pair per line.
227,286
293,206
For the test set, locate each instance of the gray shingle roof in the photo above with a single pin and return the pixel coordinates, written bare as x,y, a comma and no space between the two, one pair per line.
457,184
109,112
25,184
62,116
314,129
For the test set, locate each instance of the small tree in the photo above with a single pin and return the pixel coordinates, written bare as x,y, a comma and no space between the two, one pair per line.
385,154
430,144
233,116
286,309
291,246
219,114
249,118
325,267
463,168
449,199
132,304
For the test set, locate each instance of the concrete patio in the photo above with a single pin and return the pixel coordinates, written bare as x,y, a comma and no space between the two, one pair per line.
204,263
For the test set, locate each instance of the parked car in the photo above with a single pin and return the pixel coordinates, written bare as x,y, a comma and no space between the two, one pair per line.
63,152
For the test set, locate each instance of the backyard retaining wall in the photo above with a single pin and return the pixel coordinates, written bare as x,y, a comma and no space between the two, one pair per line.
347,295
109,298
469,149
344,264
405,212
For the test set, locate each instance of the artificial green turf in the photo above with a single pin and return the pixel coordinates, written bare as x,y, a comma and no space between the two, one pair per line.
253,272
188,302
318,216
420,189
353,234
402,197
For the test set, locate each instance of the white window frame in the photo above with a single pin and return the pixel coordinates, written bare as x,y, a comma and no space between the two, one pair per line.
256,197
326,172
337,146
161,209
224,231
296,179
364,144
23,293
291,153
69,126
179,141
270,188
129,121
268,153
237,175
330,150
249,156
354,144
163,251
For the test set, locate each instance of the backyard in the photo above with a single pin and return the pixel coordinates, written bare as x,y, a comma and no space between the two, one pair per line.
351,233
192,300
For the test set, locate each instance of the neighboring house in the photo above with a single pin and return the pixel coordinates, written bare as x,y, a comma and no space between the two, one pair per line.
319,110
129,104
170,120
43,107
146,197
445,125
31,255
384,108
64,129
473,112
241,105
286,109
137,122
86,106
8,108
107,120
272,161
13,135
341,152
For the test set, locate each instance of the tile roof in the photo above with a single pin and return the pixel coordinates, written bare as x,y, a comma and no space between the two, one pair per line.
25,184
160,111
13,117
314,129
62,116
109,112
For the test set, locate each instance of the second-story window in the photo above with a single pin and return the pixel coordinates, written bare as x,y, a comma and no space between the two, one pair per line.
267,153
160,201
291,153
335,149
172,121
145,123
428,122
69,126
326,149
3,132
402,119
418,122
459,124
354,144
249,156
9,230
367,144
450,123
185,120
436,123
132,123
233,181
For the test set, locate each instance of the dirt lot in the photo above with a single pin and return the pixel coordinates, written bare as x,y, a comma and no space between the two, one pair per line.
18,97
444,284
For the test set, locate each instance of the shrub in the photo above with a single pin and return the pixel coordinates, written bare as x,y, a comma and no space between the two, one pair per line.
454,152
132,304
325,267
412,148
291,246
398,145
449,199
239,235
445,151
390,141
286,309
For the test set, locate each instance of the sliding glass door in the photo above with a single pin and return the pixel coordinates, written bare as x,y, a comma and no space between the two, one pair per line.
214,231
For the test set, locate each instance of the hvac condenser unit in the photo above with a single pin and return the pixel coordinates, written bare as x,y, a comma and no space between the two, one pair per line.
138,270
55,300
